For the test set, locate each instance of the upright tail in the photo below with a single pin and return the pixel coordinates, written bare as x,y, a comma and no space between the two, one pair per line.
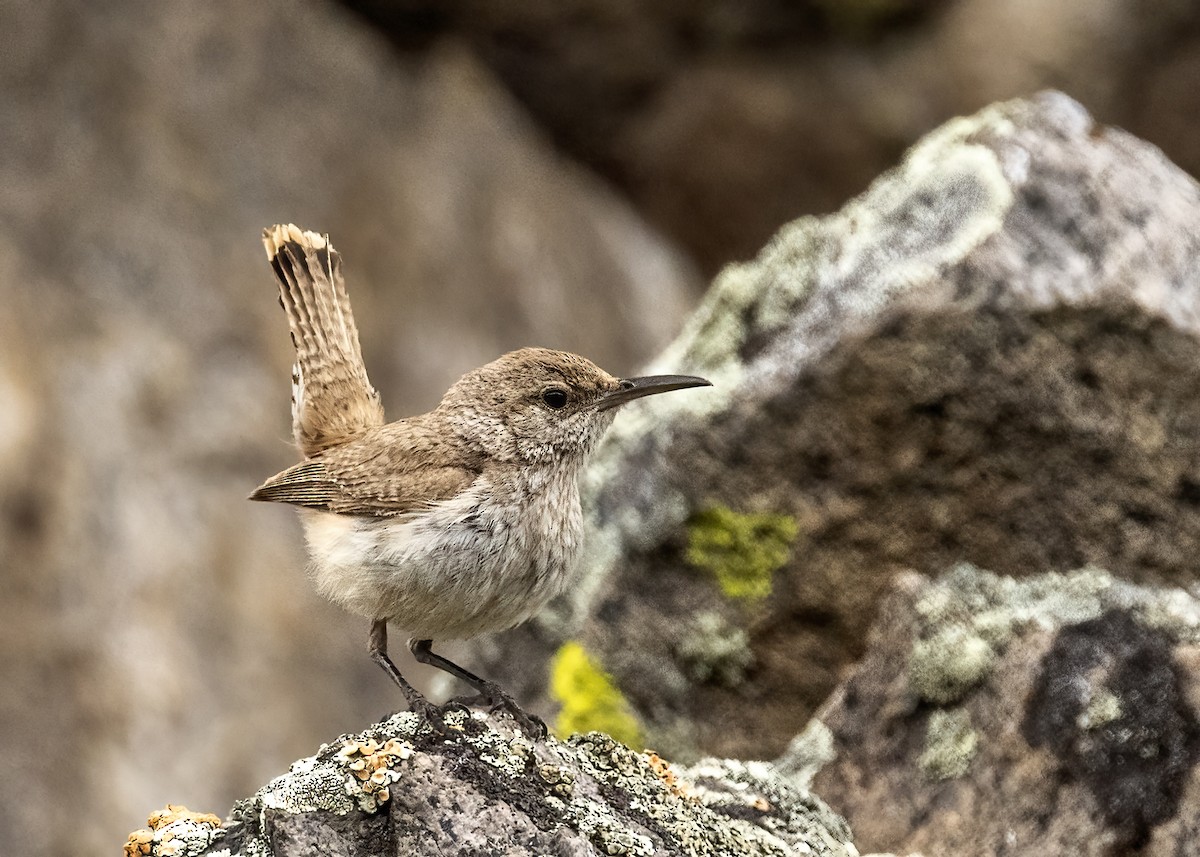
332,399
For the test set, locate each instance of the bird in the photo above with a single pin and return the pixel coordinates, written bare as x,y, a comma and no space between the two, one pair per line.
457,522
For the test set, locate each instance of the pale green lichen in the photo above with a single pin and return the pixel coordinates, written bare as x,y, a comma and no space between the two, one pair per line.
969,615
950,744
995,608
742,551
590,700
711,649
1103,707
943,668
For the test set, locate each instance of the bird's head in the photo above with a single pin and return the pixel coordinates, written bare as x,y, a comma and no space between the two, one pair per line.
537,405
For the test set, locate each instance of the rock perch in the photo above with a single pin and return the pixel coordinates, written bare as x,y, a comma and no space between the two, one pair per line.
397,789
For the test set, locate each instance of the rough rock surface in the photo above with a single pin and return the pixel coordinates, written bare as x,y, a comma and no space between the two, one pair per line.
144,367
1058,714
397,789
991,356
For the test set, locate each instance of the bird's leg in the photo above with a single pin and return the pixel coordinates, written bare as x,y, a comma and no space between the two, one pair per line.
417,703
490,693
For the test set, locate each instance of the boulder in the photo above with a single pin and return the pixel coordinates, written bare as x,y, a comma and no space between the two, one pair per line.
398,789
990,356
1056,714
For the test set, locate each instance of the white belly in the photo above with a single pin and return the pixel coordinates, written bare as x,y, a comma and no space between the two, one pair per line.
464,567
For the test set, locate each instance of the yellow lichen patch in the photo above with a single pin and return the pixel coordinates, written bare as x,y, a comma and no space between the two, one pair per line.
371,769
742,551
590,700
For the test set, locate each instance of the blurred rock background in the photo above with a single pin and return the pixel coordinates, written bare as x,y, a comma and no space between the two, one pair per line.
558,173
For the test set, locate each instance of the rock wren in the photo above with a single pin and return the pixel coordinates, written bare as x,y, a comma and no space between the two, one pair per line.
449,524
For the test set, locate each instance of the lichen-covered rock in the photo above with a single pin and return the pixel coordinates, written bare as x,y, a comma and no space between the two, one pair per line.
991,355
1081,735
398,789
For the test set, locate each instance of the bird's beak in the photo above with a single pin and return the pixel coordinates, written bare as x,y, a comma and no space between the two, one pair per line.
635,388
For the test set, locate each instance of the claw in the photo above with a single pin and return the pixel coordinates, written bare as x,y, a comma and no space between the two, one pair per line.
498,700
456,705
431,714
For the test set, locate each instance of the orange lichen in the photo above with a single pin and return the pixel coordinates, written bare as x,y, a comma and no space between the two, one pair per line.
177,812
140,842
371,764
143,841
663,770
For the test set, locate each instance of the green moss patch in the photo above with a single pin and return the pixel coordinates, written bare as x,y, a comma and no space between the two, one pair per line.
741,550
590,700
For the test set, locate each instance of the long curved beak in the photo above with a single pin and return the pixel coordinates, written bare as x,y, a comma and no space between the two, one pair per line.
635,388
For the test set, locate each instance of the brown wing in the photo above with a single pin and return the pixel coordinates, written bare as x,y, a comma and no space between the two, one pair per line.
398,468
332,398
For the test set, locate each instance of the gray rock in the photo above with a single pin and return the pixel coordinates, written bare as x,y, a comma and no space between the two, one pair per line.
1082,735
991,355
397,789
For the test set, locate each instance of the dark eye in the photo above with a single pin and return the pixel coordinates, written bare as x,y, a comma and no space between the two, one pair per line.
556,399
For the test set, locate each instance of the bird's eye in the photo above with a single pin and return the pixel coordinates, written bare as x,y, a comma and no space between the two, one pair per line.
555,398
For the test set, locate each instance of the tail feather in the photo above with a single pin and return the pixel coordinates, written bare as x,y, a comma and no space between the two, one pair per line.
332,398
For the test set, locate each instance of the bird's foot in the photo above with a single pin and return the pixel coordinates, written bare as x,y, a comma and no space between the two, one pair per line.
493,698
456,705
430,713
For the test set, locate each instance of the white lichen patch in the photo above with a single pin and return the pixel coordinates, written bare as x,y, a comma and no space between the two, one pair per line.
511,755
174,832
309,785
997,608
355,771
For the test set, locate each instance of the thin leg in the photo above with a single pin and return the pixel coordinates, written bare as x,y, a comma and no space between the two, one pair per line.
417,703
492,695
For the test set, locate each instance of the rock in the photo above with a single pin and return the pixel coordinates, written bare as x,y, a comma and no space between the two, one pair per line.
144,367
1082,736
398,789
668,98
990,356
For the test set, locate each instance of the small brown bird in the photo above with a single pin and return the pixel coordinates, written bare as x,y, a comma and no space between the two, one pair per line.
449,524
